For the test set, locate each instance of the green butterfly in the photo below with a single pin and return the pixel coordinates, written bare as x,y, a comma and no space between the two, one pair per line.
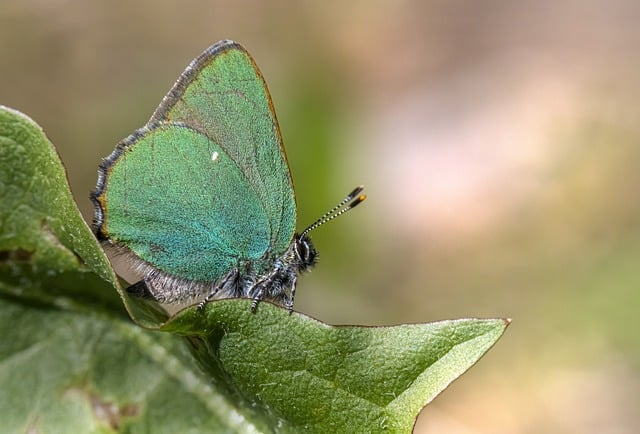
200,199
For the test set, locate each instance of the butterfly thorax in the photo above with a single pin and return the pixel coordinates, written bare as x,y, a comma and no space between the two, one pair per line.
279,285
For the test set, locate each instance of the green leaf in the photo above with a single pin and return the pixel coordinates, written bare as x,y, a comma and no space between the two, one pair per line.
47,252
69,372
71,360
313,377
39,222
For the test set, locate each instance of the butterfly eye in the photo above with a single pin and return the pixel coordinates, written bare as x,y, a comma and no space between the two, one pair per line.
305,252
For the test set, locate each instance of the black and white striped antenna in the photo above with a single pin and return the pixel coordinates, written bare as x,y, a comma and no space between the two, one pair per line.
352,200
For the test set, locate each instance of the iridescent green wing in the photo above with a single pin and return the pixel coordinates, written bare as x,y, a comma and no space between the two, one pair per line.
223,95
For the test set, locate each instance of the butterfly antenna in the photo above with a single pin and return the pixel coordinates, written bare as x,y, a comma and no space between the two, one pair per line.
353,199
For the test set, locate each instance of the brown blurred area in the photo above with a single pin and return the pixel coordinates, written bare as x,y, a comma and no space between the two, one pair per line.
498,141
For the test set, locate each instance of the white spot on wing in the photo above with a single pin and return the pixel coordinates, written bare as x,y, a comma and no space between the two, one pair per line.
214,156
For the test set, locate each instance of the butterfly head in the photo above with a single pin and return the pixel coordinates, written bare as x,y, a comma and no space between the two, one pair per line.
306,254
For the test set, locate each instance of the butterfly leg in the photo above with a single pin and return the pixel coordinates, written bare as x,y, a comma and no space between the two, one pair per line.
260,293
228,286
288,304
256,299
262,288
140,289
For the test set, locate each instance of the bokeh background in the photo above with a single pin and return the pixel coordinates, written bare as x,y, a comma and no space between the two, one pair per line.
499,143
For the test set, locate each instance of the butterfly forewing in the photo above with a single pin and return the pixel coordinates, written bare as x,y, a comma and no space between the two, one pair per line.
223,95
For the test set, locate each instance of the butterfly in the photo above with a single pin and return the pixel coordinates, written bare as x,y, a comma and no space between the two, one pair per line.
200,200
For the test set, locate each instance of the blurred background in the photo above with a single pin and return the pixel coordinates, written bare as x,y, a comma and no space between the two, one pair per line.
498,141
